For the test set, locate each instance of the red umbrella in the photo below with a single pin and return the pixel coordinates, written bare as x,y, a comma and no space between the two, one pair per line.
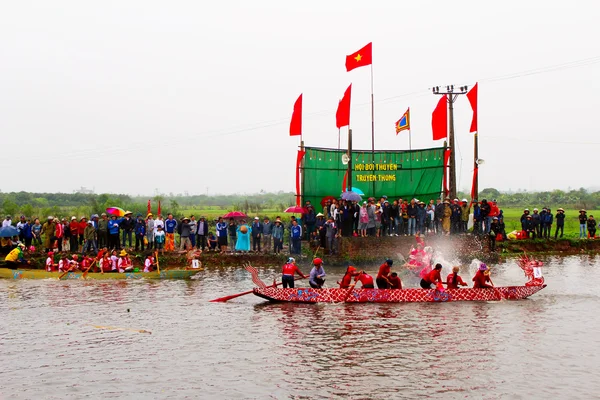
325,199
235,214
296,210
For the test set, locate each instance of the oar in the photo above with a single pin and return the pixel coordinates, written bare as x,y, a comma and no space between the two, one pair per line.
87,270
233,296
157,266
316,251
350,288
66,272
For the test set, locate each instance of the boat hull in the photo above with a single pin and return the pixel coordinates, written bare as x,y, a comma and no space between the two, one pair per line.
75,275
336,295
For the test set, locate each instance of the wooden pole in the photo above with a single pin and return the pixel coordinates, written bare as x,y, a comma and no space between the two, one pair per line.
372,125
476,167
301,174
452,161
349,183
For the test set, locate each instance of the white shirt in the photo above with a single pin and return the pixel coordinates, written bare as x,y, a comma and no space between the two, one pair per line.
157,223
49,263
147,265
6,222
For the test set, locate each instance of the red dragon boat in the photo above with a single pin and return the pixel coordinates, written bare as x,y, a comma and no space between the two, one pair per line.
336,295
531,267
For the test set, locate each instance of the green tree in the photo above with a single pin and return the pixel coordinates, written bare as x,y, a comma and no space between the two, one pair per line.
9,207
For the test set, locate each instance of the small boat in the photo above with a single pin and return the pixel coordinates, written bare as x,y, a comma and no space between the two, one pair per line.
336,295
6,273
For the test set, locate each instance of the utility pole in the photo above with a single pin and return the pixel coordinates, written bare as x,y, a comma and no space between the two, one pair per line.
452,96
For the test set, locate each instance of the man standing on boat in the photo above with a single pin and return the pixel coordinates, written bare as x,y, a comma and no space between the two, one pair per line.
288,271
317,274
434,277
383,275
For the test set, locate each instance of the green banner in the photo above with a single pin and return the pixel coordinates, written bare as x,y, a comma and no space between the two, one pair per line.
405,174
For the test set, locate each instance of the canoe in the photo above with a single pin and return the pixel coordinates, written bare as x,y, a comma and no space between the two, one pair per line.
43,274
336,295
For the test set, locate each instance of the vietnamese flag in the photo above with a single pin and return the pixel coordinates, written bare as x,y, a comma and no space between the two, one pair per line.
361,58
439,119
472,96
296,122
342,115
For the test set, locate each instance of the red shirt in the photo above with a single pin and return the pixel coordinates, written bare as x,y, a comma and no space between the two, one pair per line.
59,230
74,228
106,265
454,285
384,271
347,279
434,276
480,280
365,279
396,282
291,269
82,225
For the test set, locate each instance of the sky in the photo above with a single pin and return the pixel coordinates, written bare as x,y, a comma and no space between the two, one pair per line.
144,96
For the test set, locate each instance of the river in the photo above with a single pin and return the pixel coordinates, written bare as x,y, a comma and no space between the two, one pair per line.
165,340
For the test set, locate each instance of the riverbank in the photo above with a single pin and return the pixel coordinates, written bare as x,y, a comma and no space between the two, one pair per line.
370,250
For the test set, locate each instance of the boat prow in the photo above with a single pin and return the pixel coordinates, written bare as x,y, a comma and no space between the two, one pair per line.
74,275
336,295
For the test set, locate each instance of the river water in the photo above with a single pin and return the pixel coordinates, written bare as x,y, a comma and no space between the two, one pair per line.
72,339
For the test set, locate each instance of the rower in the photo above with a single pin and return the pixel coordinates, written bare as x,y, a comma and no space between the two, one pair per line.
289,269
50,266
347,279
482,277
15,258
105,264
395,282
317,273
148,263
365,279
74,263
432,277
454,280
124,263
63,264
383,275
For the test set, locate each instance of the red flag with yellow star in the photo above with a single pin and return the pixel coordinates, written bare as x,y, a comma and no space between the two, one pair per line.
361,58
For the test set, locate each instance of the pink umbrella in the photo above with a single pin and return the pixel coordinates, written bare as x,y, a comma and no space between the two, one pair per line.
235,214
296,210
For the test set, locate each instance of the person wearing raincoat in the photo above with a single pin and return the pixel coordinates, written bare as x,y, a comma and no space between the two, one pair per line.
243,237
447,216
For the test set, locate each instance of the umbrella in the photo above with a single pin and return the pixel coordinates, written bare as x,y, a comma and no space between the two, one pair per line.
296,210
357,191
351,196
325,199
119,212
235,214
8,231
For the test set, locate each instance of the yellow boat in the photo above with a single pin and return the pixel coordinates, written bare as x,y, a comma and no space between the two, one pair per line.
6,273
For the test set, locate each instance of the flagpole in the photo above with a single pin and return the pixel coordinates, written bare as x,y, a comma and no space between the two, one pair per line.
372,124
410,152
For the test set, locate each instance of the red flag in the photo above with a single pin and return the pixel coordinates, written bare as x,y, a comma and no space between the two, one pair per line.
446,162
472,96
361,58
158,211
149,208
439,119
342,115
296,122
473,194
301,154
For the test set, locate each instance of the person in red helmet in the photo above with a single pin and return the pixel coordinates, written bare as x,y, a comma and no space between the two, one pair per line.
317,274
347,278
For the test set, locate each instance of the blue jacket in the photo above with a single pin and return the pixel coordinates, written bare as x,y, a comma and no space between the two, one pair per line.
296,232
26,231
257,229
113,226
170,225
310,217
140,228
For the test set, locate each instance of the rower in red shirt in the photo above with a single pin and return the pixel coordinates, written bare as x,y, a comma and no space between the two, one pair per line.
365,279
481,277
432,277
395,282
383,275
454,280
289,269
347,279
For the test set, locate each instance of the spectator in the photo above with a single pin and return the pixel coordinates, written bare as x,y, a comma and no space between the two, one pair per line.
484,212
465,210
89,235
256,234
243,237
421,217
140,233
495,232
150,230
127,228
411,211
36,231
547,220
232,230
113,233
446,220
102,231
529,227
81,230
186,231
386,218
524,219
477,220
310,219
363,217
438,215
59,232
20,228
591,227
170,229
560,222
26,231
159,238
277,236
582,224
430,218
377,220
296,237
222,235
537,222
267,231
193,230
212,242
202,232
7,221
66,240
397,216
331,235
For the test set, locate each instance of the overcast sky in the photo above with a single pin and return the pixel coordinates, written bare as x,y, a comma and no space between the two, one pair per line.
131,96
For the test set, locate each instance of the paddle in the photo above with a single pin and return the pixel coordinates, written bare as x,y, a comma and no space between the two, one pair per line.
350,288
87,270
233,296
67,271
157,266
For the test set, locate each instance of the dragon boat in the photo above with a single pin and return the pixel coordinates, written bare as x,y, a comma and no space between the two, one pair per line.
7,273
335,295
